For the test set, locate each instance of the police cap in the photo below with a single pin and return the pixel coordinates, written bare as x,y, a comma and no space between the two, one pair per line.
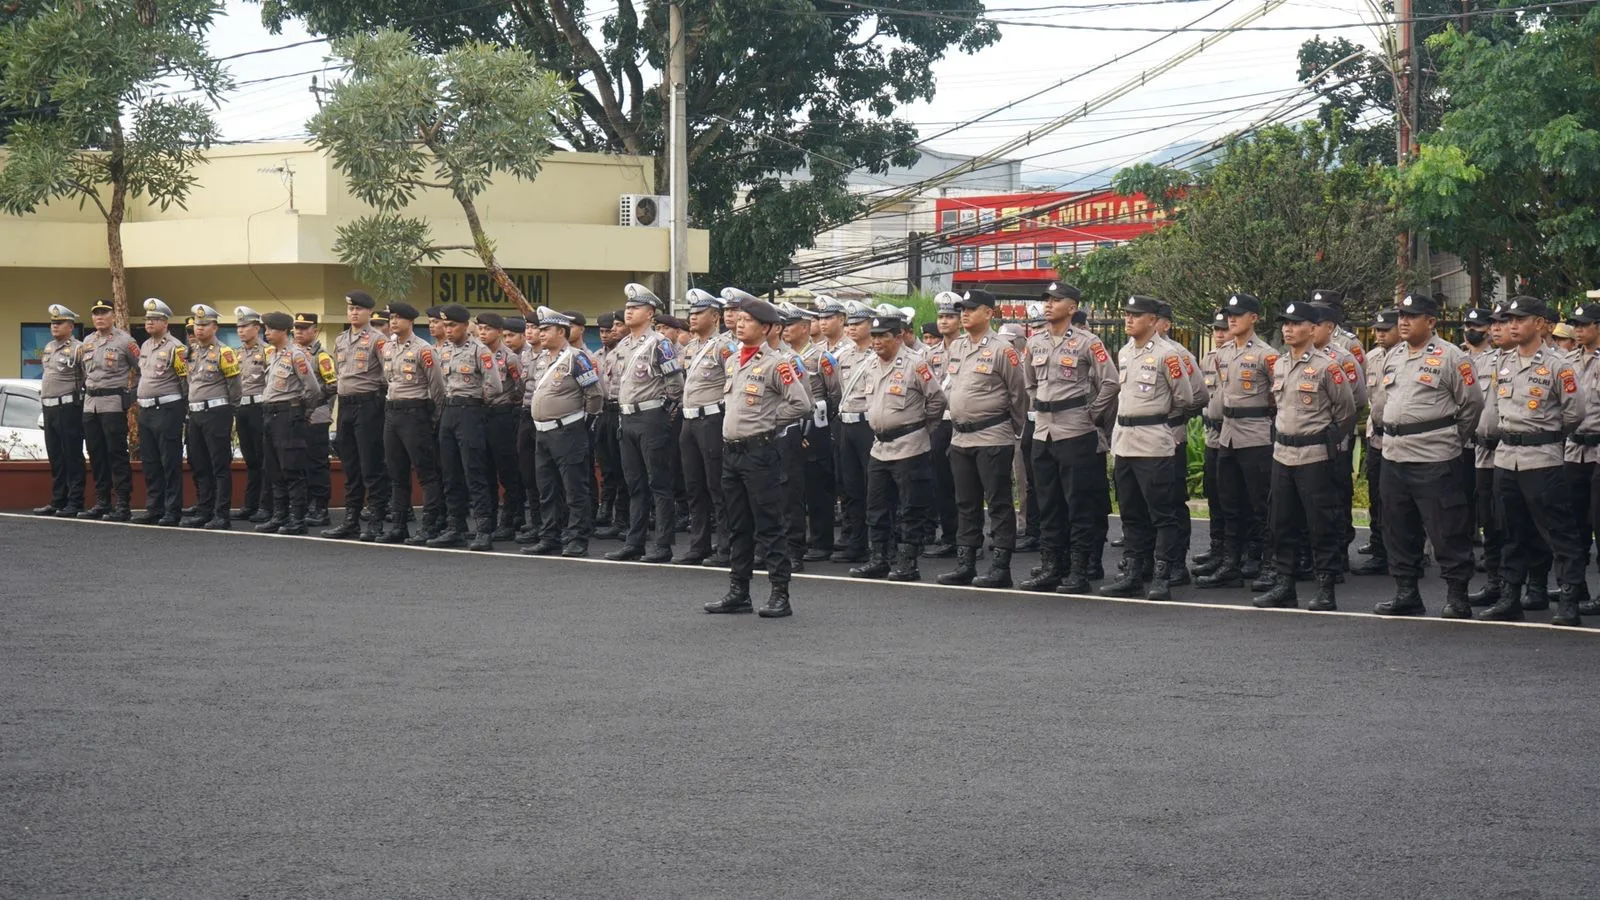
1524,307
886,325
100,307
155,309
1476,316
1240,303
758,309
493,320
1062,291
975,298
948,303
515,323
59,313
455,312
1585,314
278,321
1139,304
1385,319
403,310
1299,312
1417,305
639,295
305,320
361,299
203,314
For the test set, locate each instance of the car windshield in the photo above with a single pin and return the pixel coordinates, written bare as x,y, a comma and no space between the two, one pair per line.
21,410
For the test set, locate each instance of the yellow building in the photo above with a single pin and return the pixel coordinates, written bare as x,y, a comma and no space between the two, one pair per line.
253,234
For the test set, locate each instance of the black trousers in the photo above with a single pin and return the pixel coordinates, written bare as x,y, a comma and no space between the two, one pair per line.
1374,464
608,454
106,437
1180,496
410,445
982,478
1538,502
562,472
1488,515
1245,476
1580,481
898,499
1213,490
752,500
361,456
944,486
1426,501
464,466
1070,479
319,482
700,446
285,460
1030,499
1150,523
211,460
792,486
1307,496
1344,483
527,468
252,432
820,486
855,456
161,452
647,464
63,444
500,428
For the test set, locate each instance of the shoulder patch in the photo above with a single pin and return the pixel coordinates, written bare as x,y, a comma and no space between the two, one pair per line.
1174,367
787,373
1569,381
1356,351
582,362
427,357
301,366
1337,374
1011,357
1272,360
1467,374
1099,351
825,363
924,372
228,362
1350,368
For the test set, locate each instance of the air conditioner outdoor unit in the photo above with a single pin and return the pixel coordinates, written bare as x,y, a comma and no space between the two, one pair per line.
644,211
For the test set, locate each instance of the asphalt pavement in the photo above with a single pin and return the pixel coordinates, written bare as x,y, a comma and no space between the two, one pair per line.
192,714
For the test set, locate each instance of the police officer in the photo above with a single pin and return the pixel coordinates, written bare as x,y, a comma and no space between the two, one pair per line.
1486,363
700,441
319,485
1583,447
1244,453
247,419
1535,403
792,437
651,377
822,370
1315,410
501,413
1383,324
854,436
564,387
1028,514
163,371
903,399
983,388
1073,385
948,324
528,436
292,387
471,377
1154,389
414,373
1180,437
762,389
213,392
608,448
1330,337
1211,420
61,396
1427,405
360,381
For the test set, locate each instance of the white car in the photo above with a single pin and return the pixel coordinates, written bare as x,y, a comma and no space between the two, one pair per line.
21,419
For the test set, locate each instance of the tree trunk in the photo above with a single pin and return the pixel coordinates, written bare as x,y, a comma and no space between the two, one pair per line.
114,216
486,253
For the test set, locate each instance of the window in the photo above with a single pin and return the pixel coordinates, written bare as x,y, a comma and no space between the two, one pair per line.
948,220
986,257
1025,256
968,259
34,337
21,411
1007,256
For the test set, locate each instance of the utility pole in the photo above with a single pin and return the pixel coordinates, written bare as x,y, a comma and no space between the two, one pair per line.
1405,114
914,262
678,154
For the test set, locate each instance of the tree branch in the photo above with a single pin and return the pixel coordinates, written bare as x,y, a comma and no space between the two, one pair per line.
596,66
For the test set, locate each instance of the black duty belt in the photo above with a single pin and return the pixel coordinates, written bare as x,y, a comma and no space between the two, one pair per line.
1301,440
895,434
1060,405
1251,412
1210,422
1532,439
1178,421
1419,427
1586,440
1134,421
281,405
355,399
755,440
409,404
107,392
981,424
463,401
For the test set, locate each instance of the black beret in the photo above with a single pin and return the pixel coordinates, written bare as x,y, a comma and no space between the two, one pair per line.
930,328
360,298
435,312
281,321
761,311
515,323
455,312
576,317
402,310
1164,309
606,320
1080,318
493,320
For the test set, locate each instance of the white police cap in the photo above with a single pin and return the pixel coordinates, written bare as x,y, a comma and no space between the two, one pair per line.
59,313
639,295
546,316
246,316
154,307
202,312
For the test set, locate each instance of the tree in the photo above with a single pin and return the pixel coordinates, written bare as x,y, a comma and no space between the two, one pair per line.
406,121
97,117
1510,172
774,86
1278,215
1103,275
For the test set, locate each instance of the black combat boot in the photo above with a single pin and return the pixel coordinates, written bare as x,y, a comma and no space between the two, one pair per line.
396,533
146,517
1537,596
1373,546
999,574
1586,605
98,510
1227,574
1268,579
1097,555
219,522
1324,601
427,531
1129,584
318,513
877,564
1282,596
1508,608
1456,603
905,564
1048,577
1179,574
374,527
121,511
1567,607
349,528
1376,563
1209,562
506,530
1160,582
1028,543
453,536
1251,562
942,550
297,519
483,538
1489,594
777,602
194,520
280,518
1407,601
737,599
1075,579
543,547
966,567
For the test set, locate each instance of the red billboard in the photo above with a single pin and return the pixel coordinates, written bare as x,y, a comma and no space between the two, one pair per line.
1012,237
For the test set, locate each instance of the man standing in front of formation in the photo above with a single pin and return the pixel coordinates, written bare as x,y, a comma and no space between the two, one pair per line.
163,383
61,396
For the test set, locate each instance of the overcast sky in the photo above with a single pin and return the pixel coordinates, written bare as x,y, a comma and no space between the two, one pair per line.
1240,79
